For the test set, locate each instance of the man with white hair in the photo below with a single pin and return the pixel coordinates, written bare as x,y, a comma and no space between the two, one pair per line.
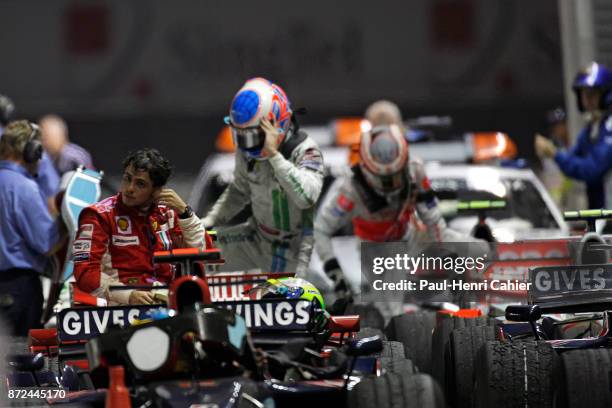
66,156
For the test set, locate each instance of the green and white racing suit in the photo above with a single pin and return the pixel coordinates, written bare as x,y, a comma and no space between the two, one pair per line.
282,192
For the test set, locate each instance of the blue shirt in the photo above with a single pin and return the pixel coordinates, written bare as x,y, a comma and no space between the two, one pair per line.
48,179
589,160
71,157
27,231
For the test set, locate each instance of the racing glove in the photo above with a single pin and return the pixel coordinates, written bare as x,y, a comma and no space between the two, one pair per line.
334,272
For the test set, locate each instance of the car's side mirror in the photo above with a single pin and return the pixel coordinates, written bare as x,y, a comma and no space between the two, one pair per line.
365,346
523,313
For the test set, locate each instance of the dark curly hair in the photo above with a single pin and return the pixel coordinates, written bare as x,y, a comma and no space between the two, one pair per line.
151,161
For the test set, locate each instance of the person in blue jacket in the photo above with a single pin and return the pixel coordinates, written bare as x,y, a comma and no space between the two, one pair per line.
590,159
27,232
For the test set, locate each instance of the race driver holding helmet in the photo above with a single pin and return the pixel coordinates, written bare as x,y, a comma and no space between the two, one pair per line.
279,173
380,199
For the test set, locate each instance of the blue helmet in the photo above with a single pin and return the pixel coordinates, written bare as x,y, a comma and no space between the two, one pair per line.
595,76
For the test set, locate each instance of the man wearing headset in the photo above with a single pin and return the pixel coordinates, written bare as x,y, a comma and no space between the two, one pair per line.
47,178
27,231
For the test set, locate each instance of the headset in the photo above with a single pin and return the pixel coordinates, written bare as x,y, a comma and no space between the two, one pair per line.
33,150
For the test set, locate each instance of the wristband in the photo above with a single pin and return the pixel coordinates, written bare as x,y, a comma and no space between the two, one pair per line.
186,214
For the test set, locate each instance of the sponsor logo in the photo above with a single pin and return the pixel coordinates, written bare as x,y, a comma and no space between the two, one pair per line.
124,225
80,324
86,231
285,314
83,256
345,203
81,245
337,212
125,241
228,290
571,279
154,225
235,286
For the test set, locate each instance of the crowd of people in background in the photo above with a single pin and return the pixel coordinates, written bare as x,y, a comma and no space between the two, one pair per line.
279,173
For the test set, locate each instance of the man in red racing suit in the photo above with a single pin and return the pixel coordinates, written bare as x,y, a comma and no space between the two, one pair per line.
117,236
387,198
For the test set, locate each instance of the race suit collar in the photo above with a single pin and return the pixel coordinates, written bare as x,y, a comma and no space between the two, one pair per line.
133,210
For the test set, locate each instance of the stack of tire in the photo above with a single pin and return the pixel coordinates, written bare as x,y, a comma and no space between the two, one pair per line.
443,345
531,373
475,369
400,384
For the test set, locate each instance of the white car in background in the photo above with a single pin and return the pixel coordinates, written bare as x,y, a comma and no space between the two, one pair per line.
530,212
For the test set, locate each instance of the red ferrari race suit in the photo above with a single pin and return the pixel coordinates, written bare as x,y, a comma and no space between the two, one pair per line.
114,246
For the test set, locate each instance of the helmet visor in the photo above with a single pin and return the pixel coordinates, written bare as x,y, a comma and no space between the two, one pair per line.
249,138
385,183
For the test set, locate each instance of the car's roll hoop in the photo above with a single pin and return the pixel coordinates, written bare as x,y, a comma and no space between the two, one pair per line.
186,291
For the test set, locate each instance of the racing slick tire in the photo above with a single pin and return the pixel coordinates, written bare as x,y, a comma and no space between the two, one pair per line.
515,374
393,349
396,390
440,338
414,330
397,365
459,363
585,379
369,315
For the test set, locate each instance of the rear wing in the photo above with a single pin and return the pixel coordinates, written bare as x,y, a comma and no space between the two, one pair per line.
481,205
265,315
590,216
270,315
586,288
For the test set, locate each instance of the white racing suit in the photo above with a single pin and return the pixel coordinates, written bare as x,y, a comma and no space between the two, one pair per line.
411,215
282,192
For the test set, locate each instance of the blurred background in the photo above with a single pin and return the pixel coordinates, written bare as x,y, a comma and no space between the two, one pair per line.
128,74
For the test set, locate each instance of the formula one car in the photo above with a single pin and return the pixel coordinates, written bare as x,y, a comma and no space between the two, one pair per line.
541,361
199,352
444,342
546,361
